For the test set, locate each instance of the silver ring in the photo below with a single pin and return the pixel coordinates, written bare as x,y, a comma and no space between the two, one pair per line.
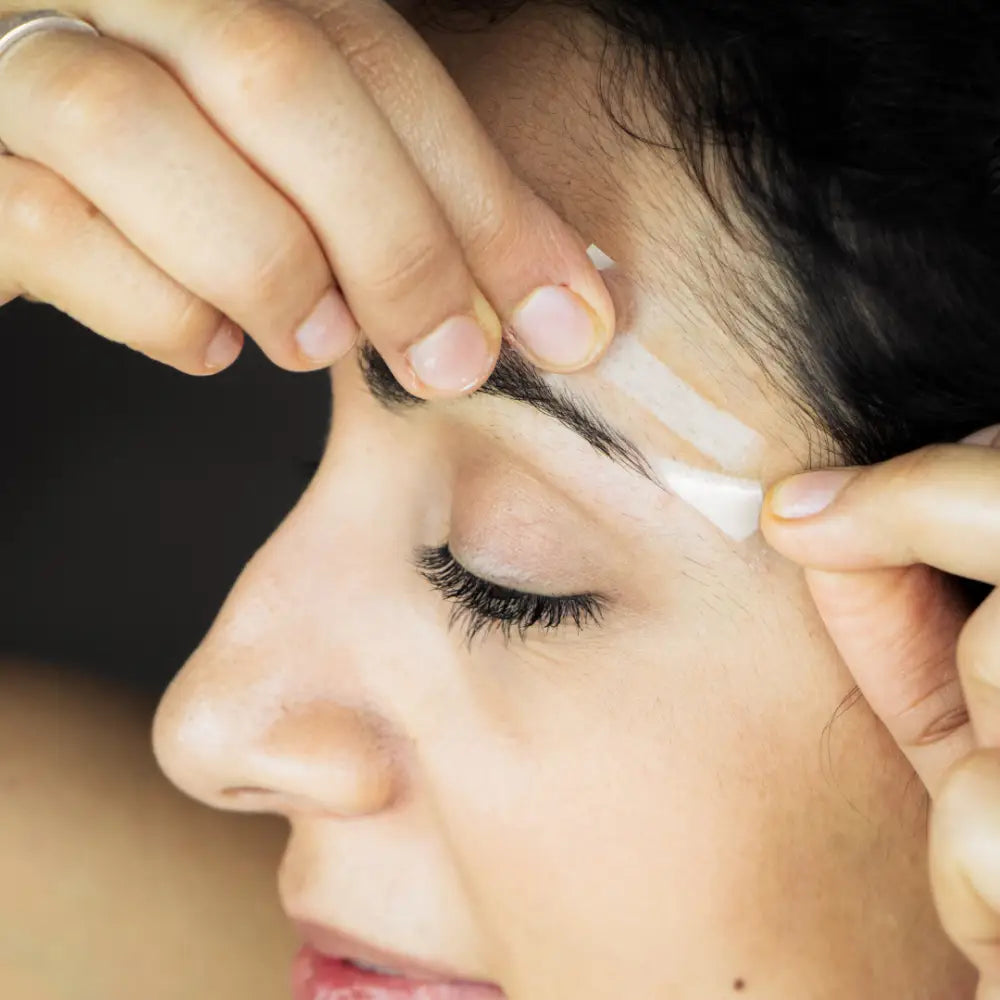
18,26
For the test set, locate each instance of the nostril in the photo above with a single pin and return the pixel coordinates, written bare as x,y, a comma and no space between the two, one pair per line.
245,790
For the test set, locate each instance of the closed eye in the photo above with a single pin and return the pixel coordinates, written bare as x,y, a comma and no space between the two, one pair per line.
481,606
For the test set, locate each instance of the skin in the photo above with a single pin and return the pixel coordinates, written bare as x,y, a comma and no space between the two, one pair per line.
111,876
925,665
512,810
652,808
165,182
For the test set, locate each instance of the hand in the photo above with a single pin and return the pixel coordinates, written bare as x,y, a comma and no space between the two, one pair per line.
929,671
291,167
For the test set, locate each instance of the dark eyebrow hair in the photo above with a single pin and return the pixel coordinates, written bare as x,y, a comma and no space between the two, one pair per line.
515,378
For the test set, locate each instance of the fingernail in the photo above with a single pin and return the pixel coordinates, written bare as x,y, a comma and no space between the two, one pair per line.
808,494
558,328
225,346
454,358
986,437
328,332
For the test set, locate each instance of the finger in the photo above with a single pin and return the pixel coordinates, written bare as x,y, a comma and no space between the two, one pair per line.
964,851
896,630
939,505
58,248
517,246
273,83
280,90
979,666
123,132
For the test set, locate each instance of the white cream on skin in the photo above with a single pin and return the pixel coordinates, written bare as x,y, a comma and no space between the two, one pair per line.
733,504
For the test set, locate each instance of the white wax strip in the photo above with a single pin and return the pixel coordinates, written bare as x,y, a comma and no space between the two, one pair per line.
601,260
632,369
648,381
733,505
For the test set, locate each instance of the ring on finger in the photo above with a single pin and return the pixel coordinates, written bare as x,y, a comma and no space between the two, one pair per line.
18,26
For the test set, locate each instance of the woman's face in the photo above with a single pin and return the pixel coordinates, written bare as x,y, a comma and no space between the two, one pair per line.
647,805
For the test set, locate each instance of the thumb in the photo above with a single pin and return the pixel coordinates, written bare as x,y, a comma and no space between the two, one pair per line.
896,629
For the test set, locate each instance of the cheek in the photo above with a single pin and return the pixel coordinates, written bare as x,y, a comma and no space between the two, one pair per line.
619,818
667,781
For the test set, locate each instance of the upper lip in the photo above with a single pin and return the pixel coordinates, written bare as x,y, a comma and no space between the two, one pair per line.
336,944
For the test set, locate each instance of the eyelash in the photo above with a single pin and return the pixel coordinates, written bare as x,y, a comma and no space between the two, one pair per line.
483,606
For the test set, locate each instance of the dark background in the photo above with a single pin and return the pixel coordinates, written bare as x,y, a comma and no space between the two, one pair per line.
132,495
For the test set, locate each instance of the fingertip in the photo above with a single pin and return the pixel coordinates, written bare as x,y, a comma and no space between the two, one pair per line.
767,517
558,329
792,519
457,357
594,292
224,347
328,333
807,494
773,528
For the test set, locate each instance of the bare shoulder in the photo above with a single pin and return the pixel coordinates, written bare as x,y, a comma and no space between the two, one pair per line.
112,883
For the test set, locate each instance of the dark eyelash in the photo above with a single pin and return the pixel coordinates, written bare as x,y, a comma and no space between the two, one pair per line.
485,606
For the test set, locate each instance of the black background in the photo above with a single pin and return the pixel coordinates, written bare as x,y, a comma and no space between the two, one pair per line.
132,495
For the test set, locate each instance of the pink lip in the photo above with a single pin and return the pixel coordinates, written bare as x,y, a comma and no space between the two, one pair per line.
330,943
320,977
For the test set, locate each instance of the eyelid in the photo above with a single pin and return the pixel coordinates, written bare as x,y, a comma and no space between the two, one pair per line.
487,606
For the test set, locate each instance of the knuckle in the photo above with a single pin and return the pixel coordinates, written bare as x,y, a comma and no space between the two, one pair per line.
40,208
494,236
103,97
415,267
373,53
917,466
183,332
266,48
263,283
942,726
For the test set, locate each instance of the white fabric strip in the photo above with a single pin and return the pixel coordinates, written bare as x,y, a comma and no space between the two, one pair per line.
601,260
649,382
633,370
731,503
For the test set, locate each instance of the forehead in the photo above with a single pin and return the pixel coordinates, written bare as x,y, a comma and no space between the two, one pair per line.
533,80
552,95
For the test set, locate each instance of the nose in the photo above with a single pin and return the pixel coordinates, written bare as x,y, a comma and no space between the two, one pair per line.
270,713
254,754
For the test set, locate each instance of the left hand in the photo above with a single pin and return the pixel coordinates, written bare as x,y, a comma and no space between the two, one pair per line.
301,168
929,670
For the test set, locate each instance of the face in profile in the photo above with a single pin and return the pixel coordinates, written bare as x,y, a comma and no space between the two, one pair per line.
533,718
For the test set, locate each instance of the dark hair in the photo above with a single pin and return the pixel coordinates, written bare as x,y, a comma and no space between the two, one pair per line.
862,139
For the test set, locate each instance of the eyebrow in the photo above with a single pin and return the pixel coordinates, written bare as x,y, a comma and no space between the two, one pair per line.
515,378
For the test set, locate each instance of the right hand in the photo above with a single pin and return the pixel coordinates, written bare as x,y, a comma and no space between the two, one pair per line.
928,668
259,162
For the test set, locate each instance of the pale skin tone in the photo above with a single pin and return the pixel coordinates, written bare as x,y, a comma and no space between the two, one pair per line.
492,810
236,221
643,808
928,669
